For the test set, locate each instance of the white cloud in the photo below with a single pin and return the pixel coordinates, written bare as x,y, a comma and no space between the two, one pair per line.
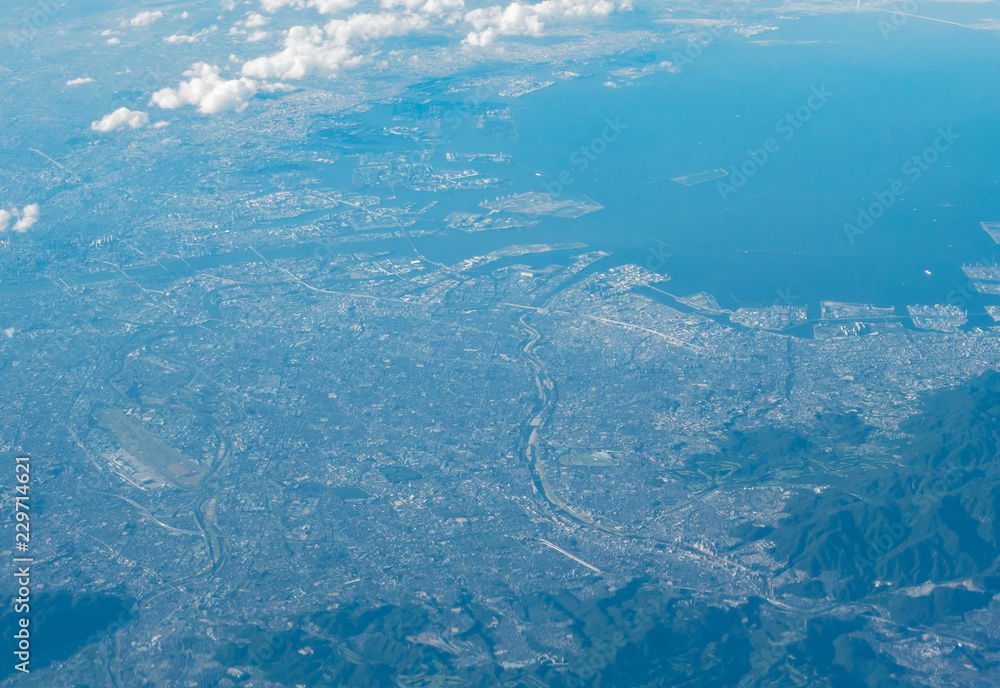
275,5
122,117
437,8
190,38
367,27
28,216
25,218
144,18
161,124
114,40
328,50
9,331
209,91
321,6
255,20
275,87
306,50
80,81
332,6
518,19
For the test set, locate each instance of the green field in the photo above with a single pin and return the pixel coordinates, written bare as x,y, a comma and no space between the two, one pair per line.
588,457
496,541
350,493
151,451
400,474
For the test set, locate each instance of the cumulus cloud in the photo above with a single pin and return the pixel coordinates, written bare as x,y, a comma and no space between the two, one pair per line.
252,36
190,38
367,27
326,51
518,19
80,81
122,117
29,216
144,18
436,8
275,5
277,87
332,6
114,40
337,45
306,50
208,91
254,20
321,6
25,218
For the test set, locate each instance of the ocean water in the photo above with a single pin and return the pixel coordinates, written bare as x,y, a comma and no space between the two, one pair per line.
782,233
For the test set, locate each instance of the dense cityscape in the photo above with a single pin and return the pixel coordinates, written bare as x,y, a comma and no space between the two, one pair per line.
389,379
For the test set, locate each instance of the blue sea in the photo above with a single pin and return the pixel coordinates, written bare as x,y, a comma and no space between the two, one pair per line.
783,232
